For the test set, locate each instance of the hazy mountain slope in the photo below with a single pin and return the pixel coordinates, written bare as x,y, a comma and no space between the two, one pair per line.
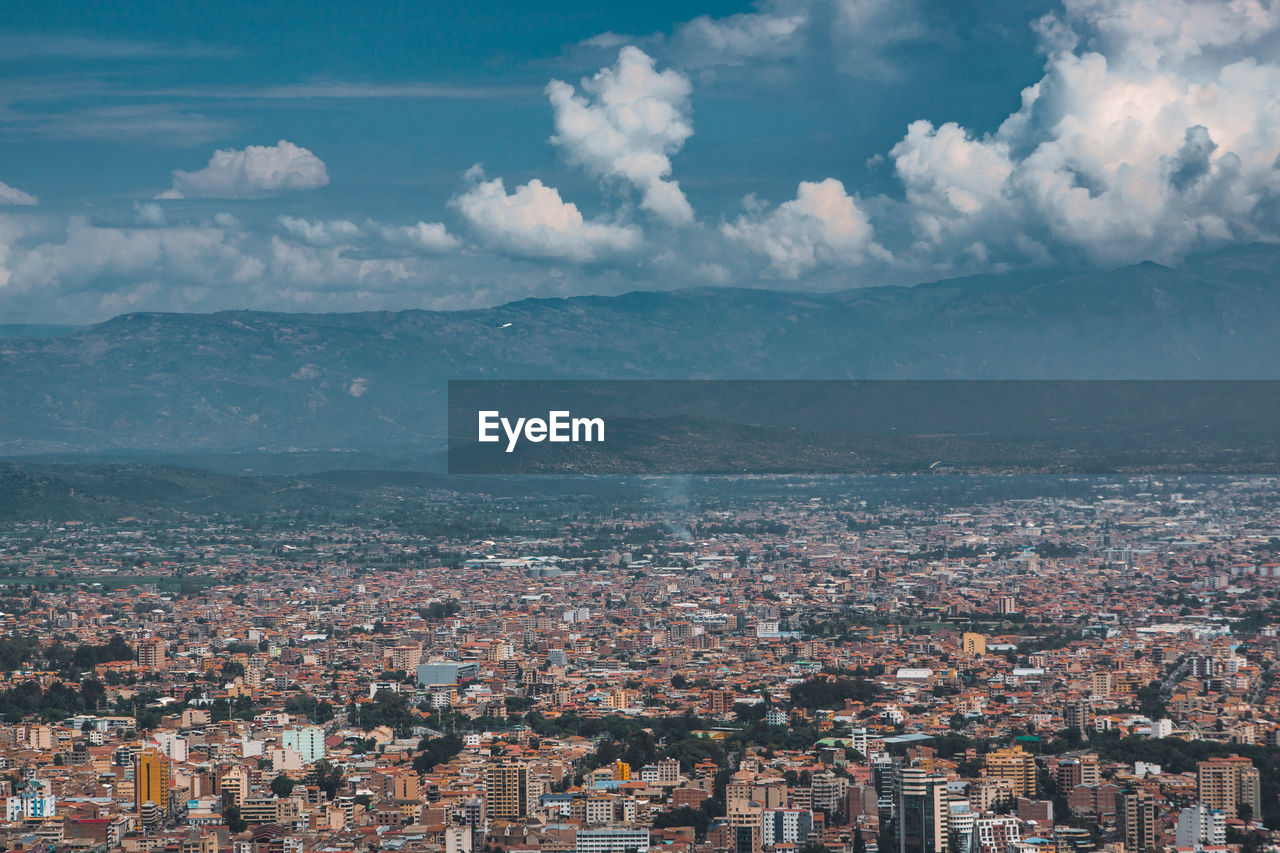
238,381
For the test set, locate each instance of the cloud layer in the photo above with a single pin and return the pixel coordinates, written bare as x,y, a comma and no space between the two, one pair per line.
1153,131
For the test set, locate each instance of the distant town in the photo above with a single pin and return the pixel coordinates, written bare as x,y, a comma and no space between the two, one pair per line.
767,667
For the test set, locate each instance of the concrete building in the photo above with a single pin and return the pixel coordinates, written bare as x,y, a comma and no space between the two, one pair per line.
1136,819
617,839
446,673
1228,783
507,791
1017,766
152,780
923,812
307,741
1200,826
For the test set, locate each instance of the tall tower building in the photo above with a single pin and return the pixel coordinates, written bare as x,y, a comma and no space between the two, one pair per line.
1136,819
151,654
151,780
1016,765
922,812
1075,715
1200,826
507,791
1228,783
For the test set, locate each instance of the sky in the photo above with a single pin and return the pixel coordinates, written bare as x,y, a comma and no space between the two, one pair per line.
321,156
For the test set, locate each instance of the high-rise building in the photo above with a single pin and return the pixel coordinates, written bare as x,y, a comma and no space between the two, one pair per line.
307,741
405,658
960,823
151,780
829,791
34,802
507,791
1017,766
787,826
1068,774
922,811
746,817
721,702
995,834
1227,784
1075,715
151,654
1136,819
973,644
1200,826
1090,773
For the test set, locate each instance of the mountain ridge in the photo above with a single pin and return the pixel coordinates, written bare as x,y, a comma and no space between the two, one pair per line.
374,381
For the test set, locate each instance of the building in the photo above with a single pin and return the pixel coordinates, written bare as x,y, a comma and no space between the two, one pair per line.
960,823
446,673
507,791
1229,784
973,644
1017,766
34,803
457,839
786,826
199,842
405,658
1136,819
922,811
995,834
1200,826
307,741
151,654
746,818
829,792
152,780
613,839
721,702
1075,715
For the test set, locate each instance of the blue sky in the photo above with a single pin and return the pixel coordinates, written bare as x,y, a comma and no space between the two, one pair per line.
291,156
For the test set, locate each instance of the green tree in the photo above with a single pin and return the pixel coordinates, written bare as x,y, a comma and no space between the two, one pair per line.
282,786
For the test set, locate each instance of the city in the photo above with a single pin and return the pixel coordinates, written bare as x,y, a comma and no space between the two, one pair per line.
734,672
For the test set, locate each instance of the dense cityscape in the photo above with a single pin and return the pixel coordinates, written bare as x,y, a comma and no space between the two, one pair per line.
831,666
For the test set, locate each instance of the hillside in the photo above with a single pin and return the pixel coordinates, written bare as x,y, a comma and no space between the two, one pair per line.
374,382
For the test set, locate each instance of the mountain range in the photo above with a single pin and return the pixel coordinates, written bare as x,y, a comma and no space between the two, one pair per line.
374,383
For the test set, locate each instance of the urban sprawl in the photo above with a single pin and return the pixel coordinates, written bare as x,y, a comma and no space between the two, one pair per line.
1091,670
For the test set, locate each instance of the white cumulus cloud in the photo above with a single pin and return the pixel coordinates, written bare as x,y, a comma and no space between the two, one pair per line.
251,172
13,195
626,123
1154,131
535,221
822,225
